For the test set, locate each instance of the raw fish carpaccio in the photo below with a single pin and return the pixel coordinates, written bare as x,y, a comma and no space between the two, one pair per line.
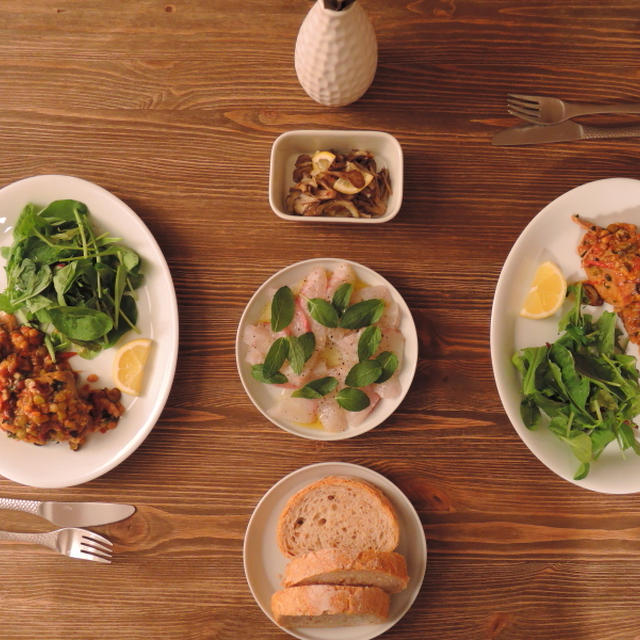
336,351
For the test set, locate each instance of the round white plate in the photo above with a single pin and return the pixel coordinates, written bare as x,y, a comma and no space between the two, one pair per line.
264,563
552,235
55,465
264,396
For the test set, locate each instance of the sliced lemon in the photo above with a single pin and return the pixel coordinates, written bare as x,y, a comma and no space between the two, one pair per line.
321,161
547,292
129,364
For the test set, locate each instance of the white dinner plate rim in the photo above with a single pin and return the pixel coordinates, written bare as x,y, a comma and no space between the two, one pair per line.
303,476
407,369
85,190
497,321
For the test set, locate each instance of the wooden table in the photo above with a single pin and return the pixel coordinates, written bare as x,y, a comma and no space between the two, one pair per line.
173,106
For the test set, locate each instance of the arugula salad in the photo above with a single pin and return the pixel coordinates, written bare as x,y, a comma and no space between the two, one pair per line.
75,285
583,386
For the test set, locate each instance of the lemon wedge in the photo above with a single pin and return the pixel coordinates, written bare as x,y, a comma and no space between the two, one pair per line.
547,292
129,364
321,161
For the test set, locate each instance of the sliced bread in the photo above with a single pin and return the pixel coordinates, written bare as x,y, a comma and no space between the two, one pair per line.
329,606
384,569
337,512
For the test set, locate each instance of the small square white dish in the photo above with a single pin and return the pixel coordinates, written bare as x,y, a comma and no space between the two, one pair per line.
289,145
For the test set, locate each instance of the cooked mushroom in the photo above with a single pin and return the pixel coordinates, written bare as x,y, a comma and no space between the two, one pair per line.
335,184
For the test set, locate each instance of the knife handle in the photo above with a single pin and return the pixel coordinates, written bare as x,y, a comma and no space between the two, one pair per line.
29,506
611,132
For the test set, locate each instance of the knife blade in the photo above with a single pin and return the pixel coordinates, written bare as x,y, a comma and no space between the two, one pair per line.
71,514
564,132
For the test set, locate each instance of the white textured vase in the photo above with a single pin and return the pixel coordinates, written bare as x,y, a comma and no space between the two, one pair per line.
336,54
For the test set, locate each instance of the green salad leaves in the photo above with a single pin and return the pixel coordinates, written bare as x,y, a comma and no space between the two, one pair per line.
583,386
74,285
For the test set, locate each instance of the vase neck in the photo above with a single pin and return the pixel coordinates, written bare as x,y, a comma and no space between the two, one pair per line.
336,7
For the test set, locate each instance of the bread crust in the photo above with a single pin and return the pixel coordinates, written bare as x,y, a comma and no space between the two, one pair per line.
323,515
384,569
324,605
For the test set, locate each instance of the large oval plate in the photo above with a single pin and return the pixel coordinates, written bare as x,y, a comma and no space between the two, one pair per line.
263,396
264,563
552,235
55,465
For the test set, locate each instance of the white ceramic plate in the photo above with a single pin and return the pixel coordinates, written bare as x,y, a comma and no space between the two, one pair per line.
264,396
55,465
552,235
264,563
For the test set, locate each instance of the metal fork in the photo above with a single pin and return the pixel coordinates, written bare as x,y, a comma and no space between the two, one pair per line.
73,542
545,110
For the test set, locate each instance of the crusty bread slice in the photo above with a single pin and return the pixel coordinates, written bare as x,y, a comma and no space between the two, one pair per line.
384,569
337,512
329,606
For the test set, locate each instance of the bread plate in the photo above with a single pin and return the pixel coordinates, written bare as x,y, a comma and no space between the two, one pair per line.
264,396
264,563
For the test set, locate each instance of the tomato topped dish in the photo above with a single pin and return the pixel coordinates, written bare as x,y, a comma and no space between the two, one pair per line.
40,398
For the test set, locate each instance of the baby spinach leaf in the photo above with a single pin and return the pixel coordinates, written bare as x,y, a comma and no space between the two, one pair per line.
63,279
582,471
257,371
277,354
323,312
341,297
369,342
352,399
282,309
316,388
388,361
363,373
362,314
80,323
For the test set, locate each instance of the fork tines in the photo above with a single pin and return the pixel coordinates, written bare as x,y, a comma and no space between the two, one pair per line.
96,547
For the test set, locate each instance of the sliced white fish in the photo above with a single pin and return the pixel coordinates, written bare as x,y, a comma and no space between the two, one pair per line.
331,415
298,410
258,337
342,274
392,340
391,388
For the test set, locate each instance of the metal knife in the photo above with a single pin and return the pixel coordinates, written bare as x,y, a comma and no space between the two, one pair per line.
563,132
71,514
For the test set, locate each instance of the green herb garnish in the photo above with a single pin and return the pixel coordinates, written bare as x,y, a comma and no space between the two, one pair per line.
316,388
583,385
74,285
282,309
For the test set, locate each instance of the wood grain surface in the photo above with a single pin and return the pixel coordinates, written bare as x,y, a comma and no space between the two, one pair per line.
173,106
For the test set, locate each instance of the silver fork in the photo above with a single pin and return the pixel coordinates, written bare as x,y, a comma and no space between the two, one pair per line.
545,110
73,542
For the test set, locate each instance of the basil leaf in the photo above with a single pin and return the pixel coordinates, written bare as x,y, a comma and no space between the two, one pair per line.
369,342
323,312
296,355
300,350
342,296
389,363
275,357
308,343
363,373
257,371
316,388
282,309
352,399
362,314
